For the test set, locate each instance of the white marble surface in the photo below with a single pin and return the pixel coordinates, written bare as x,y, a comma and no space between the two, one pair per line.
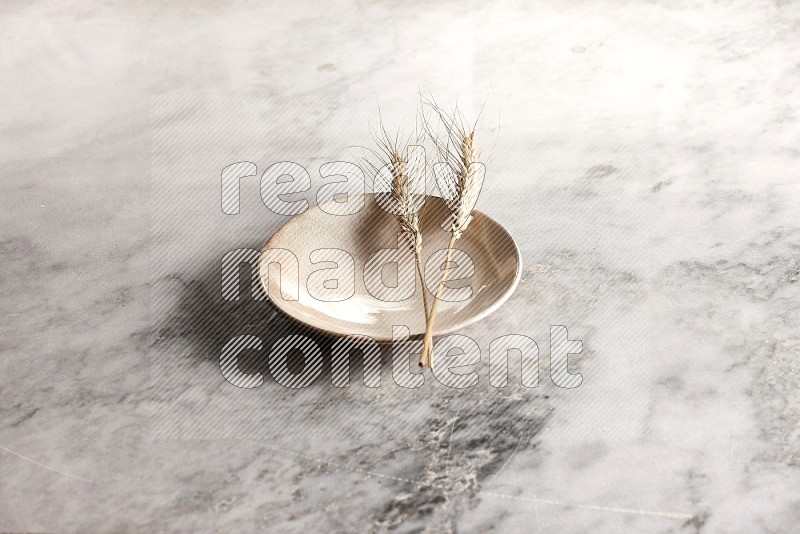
643,154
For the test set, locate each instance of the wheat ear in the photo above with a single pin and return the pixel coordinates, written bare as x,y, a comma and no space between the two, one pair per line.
403,199
461,155
408,216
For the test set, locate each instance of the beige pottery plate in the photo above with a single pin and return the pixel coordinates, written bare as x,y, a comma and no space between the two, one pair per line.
494,254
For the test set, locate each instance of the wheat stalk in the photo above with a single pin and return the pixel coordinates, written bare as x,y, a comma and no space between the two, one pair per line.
460,189
407,215
404,197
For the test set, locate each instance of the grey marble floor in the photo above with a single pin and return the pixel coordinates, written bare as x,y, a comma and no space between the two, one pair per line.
643,154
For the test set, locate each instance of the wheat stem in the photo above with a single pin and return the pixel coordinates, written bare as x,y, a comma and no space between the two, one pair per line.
420,273
427,344
425,308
